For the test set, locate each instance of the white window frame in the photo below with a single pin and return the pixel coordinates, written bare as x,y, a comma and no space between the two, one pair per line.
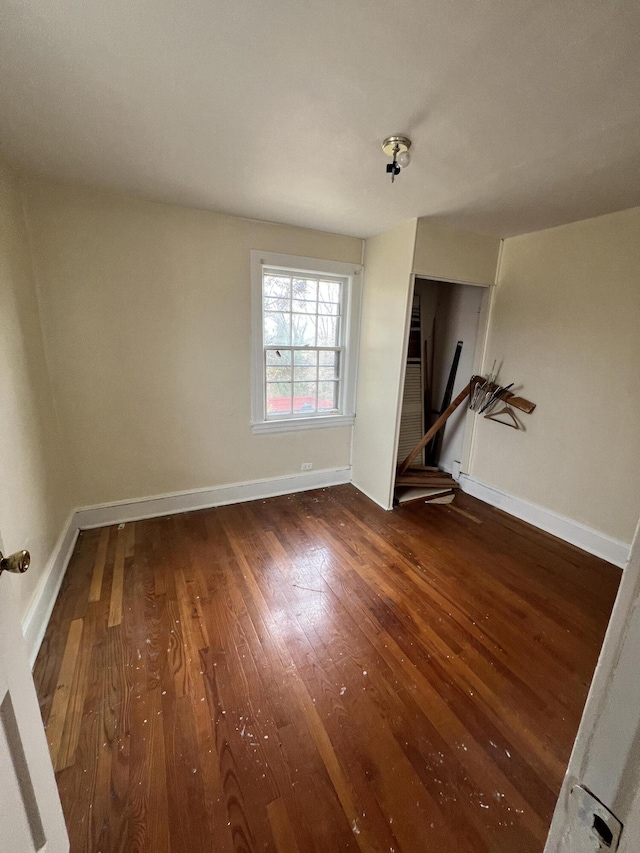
352,273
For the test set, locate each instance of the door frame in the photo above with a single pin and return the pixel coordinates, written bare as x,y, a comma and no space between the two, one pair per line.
482,338
606,752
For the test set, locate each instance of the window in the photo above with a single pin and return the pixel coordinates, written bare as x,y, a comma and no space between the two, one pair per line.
305,318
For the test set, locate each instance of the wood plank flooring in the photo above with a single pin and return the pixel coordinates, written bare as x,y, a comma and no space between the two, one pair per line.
311,673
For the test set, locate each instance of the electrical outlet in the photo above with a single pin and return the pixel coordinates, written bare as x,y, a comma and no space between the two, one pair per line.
306,466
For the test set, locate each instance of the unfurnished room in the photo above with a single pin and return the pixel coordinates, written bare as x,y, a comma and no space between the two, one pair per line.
319,437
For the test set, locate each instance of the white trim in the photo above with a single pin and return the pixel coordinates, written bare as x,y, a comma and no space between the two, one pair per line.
298,263
485,319
295,424
400,396
175,502
429,276
590,540
350,331
36,619
479,358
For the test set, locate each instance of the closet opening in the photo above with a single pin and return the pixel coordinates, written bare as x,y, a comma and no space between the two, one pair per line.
446,335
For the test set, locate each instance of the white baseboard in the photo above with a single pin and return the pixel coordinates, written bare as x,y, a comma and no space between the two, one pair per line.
36,619
151,507
592,541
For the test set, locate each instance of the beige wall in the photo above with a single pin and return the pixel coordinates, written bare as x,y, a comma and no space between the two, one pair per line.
34,498
450,254
565,324
385,300
146,316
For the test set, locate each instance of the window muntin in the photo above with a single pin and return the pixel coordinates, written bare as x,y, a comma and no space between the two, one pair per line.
303,331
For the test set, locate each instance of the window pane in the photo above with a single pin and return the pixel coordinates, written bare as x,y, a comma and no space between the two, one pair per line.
304,330
281,373
304,397
277,328
306,357
329,358
327,331
329,365
306,373
277,286
303,307
332,308
279,398
327,396
328,372
276,303
329,291
305,288
278,357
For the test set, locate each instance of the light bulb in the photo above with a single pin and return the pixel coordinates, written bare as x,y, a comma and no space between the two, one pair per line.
403,159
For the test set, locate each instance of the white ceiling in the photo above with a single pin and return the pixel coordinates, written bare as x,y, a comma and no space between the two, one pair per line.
523,114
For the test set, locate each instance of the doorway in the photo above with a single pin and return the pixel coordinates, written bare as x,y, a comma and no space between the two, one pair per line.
444,345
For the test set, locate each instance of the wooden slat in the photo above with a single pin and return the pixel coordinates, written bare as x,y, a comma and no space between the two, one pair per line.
426,480
428,498
425,473
98,567
115,607
519,403
313,673
281,827
75,709
58,715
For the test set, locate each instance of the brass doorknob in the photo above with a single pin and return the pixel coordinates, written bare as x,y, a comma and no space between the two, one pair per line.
17,563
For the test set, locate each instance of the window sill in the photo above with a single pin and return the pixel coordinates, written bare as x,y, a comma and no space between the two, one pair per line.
295,424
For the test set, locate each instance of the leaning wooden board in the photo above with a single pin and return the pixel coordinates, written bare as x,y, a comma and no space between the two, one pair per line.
506,397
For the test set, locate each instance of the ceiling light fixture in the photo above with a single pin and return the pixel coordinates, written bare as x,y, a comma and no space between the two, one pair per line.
398,148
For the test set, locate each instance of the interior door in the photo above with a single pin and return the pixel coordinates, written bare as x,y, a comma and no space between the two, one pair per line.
31,816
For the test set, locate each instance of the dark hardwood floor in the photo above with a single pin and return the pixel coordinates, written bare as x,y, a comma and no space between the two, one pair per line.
311,673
